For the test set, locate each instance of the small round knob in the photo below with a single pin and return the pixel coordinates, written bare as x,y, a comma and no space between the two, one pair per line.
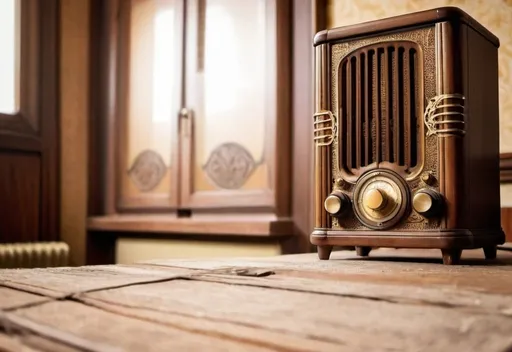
340,182
427,202
375,199
337,203
428,178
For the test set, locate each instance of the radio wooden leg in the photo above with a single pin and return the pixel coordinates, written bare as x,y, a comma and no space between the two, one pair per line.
363,251
451,256
324,252
490,252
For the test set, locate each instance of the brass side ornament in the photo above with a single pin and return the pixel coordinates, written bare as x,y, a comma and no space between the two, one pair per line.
324,129
439,112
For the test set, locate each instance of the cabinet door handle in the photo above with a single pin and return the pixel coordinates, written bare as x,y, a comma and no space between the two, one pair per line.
185,121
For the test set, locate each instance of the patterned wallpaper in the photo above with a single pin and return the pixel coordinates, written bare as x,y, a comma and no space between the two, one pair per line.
496,15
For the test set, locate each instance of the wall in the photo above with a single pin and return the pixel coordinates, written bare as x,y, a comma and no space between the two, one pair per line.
74,71
130,250
496,15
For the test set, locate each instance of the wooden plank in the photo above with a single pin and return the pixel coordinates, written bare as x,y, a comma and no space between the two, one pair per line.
254,335
11,299
412,267
65,281
30,343
13,344
88,328
449,296
378,258
387,266
352,323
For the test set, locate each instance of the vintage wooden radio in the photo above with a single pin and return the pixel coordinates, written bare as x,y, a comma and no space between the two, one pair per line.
406,135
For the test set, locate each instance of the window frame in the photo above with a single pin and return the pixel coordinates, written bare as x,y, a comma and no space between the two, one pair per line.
25,122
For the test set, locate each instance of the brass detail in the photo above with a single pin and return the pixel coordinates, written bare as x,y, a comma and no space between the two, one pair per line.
415,218
380,199
427,203
437,116
375,199
332,204
422,202
428,178
324,129
340,182
336,203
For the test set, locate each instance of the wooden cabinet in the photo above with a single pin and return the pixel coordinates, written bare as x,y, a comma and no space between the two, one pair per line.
194,121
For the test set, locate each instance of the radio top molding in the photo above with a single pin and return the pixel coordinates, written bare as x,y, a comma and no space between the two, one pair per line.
403,21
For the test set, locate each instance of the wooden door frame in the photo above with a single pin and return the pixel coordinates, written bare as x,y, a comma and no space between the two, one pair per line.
35,128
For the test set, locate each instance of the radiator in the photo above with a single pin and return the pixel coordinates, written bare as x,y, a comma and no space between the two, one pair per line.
33,255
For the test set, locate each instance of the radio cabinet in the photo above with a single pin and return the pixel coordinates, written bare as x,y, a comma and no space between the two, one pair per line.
406,135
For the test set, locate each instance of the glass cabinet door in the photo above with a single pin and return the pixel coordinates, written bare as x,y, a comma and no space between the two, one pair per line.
149,99
229,133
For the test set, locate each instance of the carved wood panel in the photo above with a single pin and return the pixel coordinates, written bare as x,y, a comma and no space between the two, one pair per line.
230,165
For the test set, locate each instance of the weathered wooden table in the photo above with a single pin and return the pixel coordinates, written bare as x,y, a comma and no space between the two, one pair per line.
396,300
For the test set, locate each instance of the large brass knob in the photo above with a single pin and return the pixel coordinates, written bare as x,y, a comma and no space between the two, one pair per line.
427,202
337,203
375,199
381,199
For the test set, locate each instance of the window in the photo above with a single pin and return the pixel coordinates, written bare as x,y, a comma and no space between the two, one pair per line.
9,59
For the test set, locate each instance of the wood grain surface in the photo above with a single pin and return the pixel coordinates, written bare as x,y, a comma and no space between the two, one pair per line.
11,299
399,300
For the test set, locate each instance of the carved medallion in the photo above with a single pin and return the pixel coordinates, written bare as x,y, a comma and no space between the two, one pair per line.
147,170
415,218
229,166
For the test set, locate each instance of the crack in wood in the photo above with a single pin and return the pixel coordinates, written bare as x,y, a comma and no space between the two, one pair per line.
231,300
210,277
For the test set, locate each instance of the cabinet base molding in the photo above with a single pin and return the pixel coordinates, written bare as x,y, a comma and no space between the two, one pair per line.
237,225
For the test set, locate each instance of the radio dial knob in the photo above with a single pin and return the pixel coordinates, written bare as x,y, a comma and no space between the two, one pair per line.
337,203
427,202
375,199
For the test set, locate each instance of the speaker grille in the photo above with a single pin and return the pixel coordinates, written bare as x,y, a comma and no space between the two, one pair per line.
380,109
